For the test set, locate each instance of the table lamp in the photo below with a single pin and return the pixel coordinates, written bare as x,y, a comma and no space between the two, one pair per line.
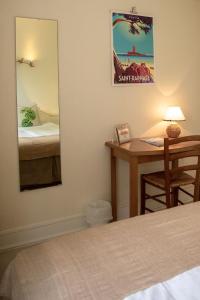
173,114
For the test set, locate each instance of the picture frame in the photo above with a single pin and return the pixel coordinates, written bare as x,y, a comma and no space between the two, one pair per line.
132,48
123,133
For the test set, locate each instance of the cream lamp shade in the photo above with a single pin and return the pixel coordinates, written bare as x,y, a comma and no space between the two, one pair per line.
173,114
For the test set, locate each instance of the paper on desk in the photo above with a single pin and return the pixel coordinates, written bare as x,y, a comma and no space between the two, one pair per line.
156,141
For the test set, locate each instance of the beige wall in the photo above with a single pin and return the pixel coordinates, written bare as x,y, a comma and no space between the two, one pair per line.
36,40
90,106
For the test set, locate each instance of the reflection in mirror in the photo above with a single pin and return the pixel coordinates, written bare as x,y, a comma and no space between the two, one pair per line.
37,103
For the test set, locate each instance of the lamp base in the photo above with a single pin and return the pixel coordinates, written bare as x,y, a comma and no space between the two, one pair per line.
173,131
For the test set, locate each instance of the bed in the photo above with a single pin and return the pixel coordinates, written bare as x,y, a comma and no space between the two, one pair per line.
39,155
109,262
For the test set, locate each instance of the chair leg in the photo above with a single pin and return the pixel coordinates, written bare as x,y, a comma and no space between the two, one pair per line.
174,197
196,193
143,193
168,198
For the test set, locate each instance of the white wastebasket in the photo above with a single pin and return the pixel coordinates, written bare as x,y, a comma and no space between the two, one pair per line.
98,212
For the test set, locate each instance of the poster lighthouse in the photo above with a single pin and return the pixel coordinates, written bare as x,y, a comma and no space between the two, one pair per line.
133,52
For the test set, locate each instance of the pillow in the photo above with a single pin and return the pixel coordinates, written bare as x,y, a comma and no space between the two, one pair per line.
46,117
28,116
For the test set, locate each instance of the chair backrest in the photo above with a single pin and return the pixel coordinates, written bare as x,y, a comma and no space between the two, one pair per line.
176,149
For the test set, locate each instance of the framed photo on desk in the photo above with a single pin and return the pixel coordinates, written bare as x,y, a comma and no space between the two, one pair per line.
123,133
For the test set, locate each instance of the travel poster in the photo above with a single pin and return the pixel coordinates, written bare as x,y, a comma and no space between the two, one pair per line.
133,52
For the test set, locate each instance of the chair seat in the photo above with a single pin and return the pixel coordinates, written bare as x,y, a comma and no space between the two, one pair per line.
158,179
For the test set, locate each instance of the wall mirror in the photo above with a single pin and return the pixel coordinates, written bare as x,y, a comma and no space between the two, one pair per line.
37,103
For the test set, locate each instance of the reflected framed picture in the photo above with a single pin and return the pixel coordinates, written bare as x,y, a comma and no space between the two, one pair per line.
123,133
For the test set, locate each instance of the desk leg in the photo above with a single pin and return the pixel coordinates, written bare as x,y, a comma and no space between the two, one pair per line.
113,186
133,186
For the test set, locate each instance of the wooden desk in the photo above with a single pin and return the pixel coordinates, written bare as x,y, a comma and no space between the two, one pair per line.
135,152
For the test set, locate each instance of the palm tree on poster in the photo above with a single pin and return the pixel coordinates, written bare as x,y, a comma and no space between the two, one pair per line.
136,23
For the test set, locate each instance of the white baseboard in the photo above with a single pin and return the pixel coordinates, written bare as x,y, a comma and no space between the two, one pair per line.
35,233
123,213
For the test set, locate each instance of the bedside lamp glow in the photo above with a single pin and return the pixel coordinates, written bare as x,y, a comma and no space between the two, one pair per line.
173,114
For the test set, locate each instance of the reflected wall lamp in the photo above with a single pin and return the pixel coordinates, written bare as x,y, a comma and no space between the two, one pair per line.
26,61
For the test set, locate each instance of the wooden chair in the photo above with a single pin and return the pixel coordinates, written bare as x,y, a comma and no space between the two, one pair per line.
174,175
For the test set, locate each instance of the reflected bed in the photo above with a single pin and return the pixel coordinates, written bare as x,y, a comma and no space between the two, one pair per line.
39,156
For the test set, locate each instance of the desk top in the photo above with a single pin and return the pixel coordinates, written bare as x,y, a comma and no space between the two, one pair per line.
137,147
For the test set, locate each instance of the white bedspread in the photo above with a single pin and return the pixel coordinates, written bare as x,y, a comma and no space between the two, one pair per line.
185,286
46,129
113,261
